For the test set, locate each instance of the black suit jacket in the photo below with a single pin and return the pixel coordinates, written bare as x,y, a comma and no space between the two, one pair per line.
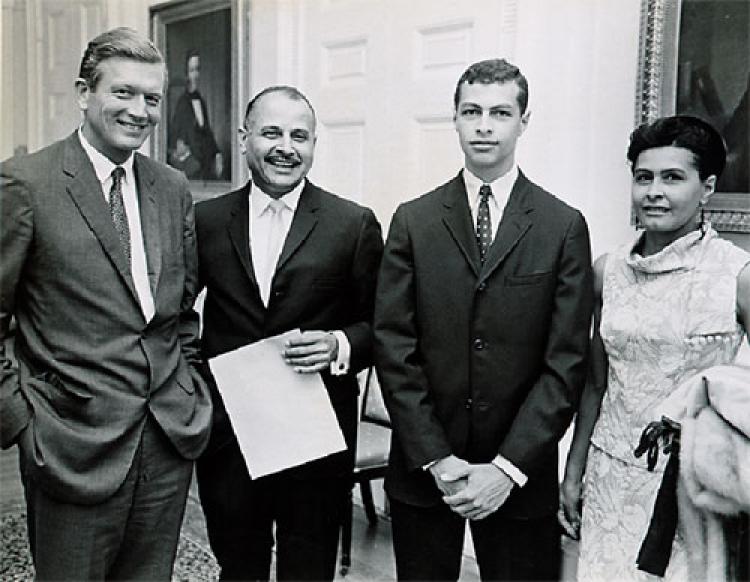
325,279
90,368
479,360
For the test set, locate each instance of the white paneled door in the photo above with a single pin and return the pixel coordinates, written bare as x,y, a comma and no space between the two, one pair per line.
57,34
381,74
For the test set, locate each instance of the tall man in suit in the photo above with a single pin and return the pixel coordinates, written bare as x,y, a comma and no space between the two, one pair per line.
481,332
98,266
276,255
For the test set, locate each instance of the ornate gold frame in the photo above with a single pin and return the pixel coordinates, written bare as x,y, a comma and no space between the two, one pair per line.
172,11
656,94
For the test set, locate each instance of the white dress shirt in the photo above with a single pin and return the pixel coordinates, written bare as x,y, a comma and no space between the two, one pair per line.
103,167
197,111
501,189
264,263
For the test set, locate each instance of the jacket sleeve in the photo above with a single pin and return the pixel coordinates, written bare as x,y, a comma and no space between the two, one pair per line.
549,407
367,254
189,323
16,234
421,436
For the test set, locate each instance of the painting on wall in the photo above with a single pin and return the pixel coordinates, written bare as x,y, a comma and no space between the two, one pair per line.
197,134
695,60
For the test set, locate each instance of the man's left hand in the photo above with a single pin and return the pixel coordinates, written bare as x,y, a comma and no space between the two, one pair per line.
311,351
487,490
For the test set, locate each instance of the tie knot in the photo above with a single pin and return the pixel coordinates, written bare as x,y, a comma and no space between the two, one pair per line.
118,174
276,206
485,192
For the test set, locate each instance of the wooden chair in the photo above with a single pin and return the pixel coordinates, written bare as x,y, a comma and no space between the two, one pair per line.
373,445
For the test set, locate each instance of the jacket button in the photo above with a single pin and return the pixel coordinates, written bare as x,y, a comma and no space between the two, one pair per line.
467,404
479,344
482,286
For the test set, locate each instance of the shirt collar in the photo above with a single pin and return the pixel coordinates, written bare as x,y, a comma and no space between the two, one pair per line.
103,166
259,200
501,187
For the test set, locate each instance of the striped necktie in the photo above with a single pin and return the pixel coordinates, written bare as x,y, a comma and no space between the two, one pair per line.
117,210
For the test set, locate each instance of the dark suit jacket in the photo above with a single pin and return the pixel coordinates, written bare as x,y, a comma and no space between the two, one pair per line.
479,360
325,279
200,139
90,368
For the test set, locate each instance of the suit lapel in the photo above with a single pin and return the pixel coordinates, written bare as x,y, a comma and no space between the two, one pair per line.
514,225
86,191
457,219
149,210
304,222
239,231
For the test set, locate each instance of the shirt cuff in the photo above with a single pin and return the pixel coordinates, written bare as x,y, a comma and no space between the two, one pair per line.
427,466
510,470
340,366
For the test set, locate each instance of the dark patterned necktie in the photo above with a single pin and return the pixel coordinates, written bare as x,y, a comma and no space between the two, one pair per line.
117,209
484,225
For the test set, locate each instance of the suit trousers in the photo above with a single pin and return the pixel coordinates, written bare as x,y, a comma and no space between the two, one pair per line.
428,543
132,535
241,513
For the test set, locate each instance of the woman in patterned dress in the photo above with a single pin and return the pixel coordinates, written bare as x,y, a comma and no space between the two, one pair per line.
673,303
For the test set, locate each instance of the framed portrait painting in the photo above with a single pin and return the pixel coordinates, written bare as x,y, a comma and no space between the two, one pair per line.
201,41
695,60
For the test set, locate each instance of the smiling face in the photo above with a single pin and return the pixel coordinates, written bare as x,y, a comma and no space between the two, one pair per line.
279,142
667,191
124,107
489,122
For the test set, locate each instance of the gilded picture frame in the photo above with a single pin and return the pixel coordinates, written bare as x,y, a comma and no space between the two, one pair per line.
694,60
205,45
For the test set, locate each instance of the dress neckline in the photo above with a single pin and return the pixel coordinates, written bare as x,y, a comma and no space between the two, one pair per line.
681,254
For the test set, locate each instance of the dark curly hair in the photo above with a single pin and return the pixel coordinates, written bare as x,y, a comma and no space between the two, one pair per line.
682,131
494,71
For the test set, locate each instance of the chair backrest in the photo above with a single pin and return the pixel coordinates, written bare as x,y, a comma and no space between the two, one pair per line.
373,405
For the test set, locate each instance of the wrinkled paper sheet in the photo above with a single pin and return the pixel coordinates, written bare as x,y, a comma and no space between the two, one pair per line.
281,418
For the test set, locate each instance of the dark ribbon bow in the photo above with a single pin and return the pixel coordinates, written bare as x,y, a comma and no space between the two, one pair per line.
665,430
653,556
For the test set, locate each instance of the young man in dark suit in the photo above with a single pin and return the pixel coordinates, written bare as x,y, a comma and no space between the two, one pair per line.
98,266
481,332
276,255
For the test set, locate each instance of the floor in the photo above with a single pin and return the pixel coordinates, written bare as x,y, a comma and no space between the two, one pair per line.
372,555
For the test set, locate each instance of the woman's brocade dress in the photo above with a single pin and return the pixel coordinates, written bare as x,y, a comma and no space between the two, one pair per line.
665,317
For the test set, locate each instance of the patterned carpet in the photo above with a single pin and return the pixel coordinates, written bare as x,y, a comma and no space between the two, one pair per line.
194,563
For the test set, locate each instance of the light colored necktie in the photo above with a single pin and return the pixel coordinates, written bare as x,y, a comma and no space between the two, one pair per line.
274,244
484,225
117,210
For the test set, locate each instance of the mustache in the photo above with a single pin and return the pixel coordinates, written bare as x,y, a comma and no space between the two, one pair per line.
281,157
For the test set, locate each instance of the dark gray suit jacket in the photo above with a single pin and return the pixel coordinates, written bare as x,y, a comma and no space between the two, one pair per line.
90,368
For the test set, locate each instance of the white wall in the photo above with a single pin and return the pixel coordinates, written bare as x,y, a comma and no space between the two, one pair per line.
580,57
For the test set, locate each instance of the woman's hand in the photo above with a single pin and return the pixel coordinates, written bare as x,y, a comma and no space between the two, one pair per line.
569,514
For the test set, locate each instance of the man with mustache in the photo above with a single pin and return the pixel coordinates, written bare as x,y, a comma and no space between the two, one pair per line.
481,333
98,267
276,255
